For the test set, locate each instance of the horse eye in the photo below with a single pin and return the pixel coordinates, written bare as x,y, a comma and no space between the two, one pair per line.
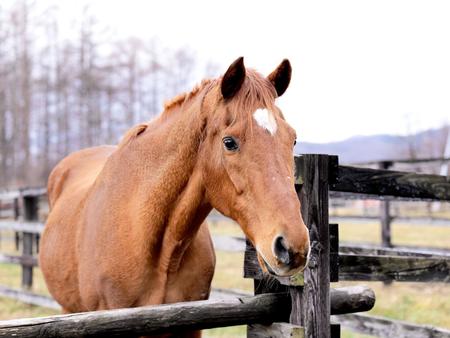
295,142
230,143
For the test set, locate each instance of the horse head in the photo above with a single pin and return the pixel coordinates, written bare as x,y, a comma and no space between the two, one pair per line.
248,166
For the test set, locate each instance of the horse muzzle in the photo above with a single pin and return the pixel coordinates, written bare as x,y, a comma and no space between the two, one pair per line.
286,261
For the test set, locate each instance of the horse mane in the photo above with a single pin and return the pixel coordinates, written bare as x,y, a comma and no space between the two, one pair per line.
178,100
256,91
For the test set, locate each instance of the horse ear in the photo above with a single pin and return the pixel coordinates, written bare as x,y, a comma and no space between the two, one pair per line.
233,79
281,77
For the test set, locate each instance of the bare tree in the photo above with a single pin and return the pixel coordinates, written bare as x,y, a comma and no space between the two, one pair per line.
59,95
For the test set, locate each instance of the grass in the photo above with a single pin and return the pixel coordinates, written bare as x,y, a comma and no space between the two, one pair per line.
402,234
11,275
415,302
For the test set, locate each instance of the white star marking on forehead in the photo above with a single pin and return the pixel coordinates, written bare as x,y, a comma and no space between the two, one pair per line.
266,120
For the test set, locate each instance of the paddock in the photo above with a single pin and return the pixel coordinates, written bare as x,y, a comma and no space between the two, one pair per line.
301,306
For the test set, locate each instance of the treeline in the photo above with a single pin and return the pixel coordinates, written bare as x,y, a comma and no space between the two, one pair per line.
60,94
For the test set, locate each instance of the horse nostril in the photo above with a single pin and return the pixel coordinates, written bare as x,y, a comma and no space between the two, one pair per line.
281,251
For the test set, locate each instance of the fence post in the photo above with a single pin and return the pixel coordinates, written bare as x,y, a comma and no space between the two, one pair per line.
311,303
16,218
30,204
385,215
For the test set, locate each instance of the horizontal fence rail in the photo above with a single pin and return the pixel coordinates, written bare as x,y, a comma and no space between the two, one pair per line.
387,268
31,192
26,260
405,161
375,250
384,327
28,227
420,220
149,320
349,299
392,183
28,297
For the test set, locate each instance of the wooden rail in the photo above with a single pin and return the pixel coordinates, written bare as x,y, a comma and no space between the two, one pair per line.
265,308
152,320
28,297
395,268
27,260
376,250
392,183
407,161
350,299
29,227
401,266
383,327
34,192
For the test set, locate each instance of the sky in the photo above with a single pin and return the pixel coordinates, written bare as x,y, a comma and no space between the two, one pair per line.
359,67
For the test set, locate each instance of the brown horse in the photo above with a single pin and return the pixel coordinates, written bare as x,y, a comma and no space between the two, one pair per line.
126,226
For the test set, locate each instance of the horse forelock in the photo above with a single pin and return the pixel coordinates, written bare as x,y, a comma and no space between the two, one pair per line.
256,92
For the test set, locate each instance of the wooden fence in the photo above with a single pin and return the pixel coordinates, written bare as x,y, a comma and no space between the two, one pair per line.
385,213
309,299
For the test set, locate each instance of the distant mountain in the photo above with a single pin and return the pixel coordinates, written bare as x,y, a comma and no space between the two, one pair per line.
429,143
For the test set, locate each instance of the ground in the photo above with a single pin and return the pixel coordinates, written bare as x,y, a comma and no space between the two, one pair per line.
416,302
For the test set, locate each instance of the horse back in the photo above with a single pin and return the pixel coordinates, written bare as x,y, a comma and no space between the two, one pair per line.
77,171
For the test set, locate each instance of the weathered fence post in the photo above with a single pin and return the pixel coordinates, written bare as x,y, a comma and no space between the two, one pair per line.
30,205
385,215
311,303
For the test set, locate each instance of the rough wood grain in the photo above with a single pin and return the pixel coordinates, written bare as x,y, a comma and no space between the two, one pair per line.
384,327
398,268
28,297
351,299
311,303
149,320
373,250
392,183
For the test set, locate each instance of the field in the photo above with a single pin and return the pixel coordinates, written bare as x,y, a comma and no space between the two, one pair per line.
420,303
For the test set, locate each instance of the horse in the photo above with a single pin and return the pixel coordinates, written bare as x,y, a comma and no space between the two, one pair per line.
126,226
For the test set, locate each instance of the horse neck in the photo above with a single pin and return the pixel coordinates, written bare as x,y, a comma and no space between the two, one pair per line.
169,204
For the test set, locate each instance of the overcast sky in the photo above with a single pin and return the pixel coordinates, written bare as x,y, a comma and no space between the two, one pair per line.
359,67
